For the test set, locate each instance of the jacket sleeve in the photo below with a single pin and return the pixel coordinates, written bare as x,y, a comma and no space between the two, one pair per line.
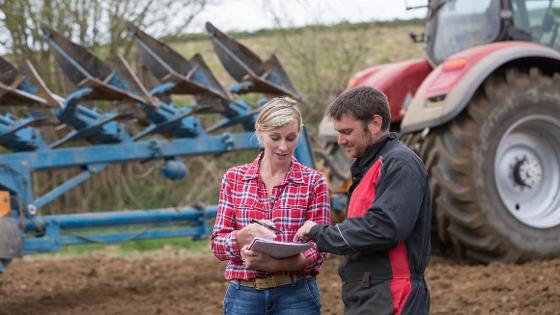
390,220
224,236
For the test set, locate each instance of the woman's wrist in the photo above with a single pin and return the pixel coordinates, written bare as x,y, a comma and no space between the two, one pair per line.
242,237
295,263
239,238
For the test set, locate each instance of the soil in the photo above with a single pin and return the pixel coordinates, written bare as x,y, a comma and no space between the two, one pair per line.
171,282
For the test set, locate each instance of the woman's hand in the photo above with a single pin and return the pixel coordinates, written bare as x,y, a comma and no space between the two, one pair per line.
246,235
260,261
257,260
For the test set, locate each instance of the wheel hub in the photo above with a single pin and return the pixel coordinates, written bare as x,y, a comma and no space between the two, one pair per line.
527,172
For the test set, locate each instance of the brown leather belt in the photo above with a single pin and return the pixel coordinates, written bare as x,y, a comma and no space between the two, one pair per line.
270,282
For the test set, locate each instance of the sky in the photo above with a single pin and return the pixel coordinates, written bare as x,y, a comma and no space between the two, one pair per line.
250,15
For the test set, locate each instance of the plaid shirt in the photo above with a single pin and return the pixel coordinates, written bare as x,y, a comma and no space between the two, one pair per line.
302,196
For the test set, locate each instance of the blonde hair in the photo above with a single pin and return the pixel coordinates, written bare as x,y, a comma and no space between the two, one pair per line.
278,112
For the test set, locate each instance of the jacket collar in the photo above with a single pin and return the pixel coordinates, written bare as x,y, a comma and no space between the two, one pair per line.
361,164
295,173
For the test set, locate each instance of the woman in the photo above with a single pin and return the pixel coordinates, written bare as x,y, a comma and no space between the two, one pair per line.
276,190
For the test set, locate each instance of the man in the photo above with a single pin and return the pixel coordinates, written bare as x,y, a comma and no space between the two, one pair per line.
386,236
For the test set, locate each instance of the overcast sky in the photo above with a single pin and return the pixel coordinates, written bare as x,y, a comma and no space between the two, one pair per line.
250,15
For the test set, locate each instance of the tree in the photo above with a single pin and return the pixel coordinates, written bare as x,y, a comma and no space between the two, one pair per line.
92,23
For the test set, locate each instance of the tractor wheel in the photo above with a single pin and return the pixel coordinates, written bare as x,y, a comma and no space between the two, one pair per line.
425,147
495,170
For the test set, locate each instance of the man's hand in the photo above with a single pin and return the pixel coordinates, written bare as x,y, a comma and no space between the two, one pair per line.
257,260
303,232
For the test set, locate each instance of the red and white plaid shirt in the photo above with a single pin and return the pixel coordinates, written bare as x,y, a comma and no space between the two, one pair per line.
303,195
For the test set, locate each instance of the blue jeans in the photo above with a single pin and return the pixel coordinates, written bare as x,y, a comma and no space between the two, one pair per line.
299,298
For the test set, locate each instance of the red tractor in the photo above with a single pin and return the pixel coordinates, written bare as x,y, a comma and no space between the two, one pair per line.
483,111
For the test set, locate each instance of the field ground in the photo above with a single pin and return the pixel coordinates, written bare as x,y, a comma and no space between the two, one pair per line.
173,282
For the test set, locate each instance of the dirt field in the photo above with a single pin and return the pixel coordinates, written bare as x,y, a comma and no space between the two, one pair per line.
167,282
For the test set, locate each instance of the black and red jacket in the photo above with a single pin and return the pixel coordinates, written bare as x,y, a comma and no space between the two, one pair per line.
386,236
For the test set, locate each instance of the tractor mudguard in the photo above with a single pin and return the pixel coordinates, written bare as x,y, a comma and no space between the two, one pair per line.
399,81
447,90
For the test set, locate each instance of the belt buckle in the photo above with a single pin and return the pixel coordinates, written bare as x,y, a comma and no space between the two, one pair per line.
265,283
272,281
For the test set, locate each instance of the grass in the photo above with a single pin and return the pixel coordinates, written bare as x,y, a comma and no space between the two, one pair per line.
185,244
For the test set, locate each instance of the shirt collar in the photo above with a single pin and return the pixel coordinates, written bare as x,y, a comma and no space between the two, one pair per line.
295,173
253,170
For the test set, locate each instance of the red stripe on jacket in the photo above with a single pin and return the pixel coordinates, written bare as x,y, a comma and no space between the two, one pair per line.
361,200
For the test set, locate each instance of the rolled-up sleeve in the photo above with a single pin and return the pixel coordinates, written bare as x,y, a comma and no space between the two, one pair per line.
318,211
224,234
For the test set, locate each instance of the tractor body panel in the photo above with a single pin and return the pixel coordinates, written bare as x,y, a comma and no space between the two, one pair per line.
399,81
447,90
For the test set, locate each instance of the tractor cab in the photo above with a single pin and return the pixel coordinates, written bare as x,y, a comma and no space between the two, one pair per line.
455,25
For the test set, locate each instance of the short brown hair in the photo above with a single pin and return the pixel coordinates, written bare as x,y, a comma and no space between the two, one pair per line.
363,103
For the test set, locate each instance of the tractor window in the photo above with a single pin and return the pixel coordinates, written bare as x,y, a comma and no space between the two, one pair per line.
540,19
462,24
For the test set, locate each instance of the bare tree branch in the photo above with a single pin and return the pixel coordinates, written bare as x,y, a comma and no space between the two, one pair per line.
95,24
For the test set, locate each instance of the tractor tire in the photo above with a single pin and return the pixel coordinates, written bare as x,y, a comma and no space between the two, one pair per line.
495,170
